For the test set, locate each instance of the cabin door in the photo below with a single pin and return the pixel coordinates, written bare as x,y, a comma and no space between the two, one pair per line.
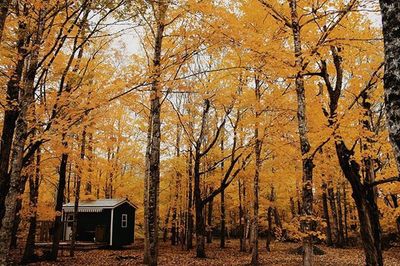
68,229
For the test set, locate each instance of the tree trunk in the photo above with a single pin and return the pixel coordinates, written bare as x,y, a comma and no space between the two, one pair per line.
29,252
57,228
175,218
391,27
10,116
88,186
25,104
77,193
258,162
335,231
340,218
223,224
153,150
189,217
17,219
307,162
241,219
18,147
223,212
326,216
4,6
166,223
209,221
269,231
292,208
200,226
174,229
368,214
345,214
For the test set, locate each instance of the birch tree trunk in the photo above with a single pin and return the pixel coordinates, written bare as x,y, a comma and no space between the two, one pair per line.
154,138
390,10
307,162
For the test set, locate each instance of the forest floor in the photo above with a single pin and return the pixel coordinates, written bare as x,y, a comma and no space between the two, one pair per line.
281,254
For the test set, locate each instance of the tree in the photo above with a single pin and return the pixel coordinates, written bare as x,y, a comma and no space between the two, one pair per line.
390,23
152,183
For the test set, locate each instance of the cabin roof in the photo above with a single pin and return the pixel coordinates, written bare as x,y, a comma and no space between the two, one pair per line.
96,205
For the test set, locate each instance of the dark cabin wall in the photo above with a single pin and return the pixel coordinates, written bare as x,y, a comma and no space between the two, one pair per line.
87,224
123,236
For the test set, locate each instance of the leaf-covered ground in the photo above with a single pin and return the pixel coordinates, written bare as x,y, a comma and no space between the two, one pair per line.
280,255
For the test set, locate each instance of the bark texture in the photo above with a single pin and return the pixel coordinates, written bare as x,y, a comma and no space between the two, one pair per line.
4,6
11,115
307,162
29,252
154,140
390,10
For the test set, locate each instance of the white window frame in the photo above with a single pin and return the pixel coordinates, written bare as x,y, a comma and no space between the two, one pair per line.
124,220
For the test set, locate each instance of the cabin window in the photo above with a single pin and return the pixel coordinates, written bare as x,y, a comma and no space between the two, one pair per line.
124,221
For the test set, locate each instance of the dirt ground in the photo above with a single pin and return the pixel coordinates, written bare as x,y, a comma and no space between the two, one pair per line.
280,255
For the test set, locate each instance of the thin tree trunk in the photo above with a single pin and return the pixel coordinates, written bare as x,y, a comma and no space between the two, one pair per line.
335,231
269,231
57,228
257,151
189,217
340,218
223,223
200,226
69,183
166,223
222,203
153,151
307,162
209,220
345,214
292,208
77,193
88,186
241,219
326,216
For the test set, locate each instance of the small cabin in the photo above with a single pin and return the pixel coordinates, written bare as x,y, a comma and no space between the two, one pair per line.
108,221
